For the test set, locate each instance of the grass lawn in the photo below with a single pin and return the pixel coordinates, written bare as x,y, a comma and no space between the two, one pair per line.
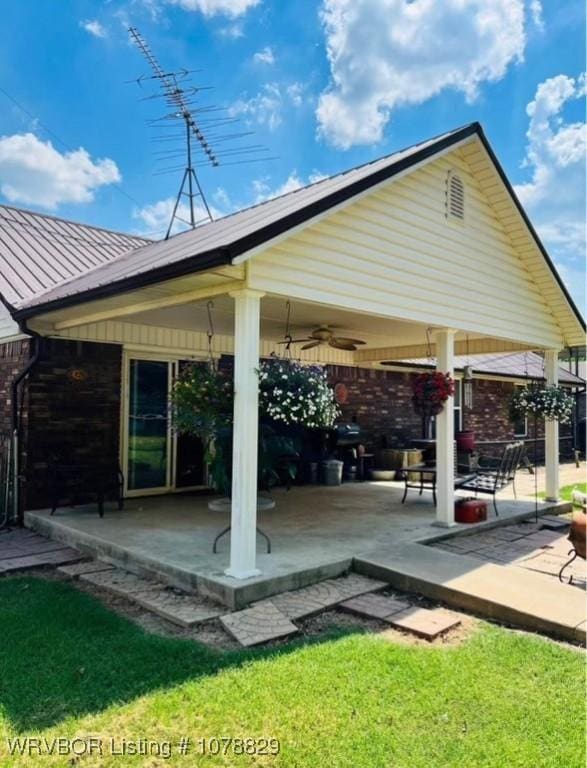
565,491
69,666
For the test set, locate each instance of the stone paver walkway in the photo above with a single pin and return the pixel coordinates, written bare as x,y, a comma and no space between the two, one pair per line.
318,597
21,549
425,623
259,624
526,545
178,607
374,606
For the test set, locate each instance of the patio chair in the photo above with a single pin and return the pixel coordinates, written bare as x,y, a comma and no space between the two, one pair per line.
498,473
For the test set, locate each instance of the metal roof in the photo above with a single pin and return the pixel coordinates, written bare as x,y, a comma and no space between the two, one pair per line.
219,241
517,365
38,252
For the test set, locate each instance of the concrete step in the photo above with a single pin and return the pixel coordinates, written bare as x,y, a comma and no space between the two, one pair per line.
505,593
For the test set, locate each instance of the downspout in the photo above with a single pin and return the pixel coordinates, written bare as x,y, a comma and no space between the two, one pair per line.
37,339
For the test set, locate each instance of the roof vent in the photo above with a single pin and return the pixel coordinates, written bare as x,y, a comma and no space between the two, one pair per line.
455,197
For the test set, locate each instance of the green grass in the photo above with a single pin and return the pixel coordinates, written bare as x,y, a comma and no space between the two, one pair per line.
566,491
69,666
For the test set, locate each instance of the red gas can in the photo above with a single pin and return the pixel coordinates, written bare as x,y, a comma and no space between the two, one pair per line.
470,511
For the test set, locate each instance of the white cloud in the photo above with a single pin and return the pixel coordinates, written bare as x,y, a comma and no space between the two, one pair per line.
262,189
35,173
388,53
555,153
155,217
267,106
232,31
264,56
536,13
93,27
295,93
230,8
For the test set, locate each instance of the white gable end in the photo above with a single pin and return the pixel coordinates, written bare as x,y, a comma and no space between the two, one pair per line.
395,252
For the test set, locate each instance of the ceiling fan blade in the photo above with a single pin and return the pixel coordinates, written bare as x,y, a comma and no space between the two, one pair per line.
312,344
346,340
336,343
294,341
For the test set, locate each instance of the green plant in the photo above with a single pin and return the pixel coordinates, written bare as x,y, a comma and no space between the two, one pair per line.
291,393
202,405
552,403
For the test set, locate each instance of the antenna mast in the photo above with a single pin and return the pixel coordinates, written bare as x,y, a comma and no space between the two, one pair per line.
178,99
181,124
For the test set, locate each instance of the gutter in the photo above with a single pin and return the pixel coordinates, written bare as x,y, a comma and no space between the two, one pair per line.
14,453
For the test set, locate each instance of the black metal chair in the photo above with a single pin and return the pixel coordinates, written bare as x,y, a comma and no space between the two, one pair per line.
100,480
495,474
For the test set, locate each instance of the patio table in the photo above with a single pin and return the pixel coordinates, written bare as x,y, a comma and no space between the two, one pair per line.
264,504
426,478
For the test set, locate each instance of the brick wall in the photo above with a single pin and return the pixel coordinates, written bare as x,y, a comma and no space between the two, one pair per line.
74,396
13,357
380,401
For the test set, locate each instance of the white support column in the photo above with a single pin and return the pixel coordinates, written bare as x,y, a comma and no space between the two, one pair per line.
243,535
551,447
445,435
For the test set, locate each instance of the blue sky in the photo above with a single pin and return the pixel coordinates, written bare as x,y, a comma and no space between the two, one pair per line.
325,85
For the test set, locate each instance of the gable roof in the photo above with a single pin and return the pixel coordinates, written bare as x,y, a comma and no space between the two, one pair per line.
38,252
222,241
515,365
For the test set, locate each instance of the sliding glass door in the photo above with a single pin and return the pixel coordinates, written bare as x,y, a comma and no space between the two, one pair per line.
148,442
155,458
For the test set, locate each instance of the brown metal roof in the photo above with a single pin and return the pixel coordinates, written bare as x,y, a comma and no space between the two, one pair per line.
39,252
517,365
221,240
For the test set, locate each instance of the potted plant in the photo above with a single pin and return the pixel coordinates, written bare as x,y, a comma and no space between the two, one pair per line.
552,403
430,391
289,394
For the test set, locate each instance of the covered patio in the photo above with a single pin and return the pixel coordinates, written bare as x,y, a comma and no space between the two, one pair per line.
395,253
316,532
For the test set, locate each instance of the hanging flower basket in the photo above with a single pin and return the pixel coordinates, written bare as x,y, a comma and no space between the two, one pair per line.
201,401
551,403
430,391
292,393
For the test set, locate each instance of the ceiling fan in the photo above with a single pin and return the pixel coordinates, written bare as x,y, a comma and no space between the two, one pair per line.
325,335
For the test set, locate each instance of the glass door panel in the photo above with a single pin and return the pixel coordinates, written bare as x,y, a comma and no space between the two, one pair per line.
148,425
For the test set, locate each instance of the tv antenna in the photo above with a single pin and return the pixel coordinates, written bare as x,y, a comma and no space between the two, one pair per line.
186,121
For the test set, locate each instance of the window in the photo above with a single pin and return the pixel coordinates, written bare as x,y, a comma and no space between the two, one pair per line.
455,197
520,425
458,411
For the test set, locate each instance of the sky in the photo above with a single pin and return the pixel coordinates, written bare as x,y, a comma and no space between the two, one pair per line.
324,85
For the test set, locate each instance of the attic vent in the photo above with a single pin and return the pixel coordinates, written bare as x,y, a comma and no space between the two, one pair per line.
455,197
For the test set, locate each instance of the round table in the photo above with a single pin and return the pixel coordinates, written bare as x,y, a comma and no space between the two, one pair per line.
264,504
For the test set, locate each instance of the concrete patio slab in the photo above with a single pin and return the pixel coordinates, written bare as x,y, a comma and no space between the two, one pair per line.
259,624
374,606
425,623
316,531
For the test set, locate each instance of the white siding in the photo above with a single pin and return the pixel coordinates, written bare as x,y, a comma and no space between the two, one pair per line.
177,343
393,253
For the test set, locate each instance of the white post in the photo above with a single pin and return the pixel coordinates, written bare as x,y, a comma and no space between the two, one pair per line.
445,435
243,535
551,445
